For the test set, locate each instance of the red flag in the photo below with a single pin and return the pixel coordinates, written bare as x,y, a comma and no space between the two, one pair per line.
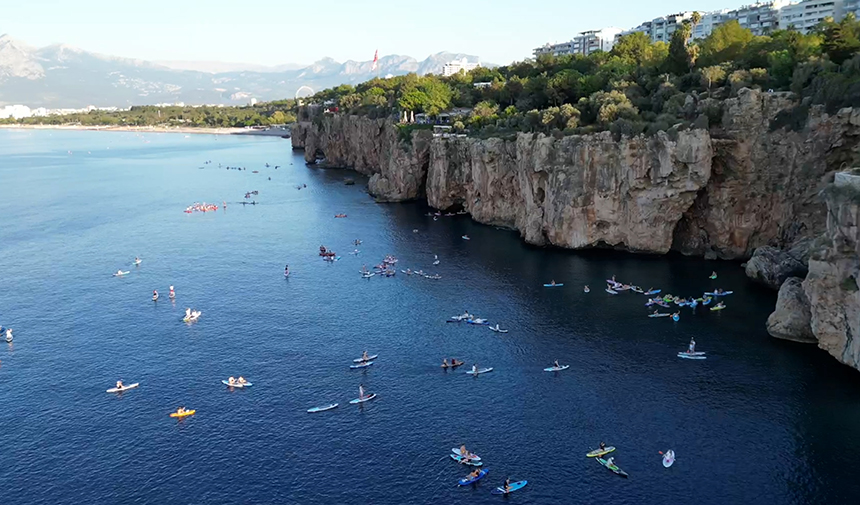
375,59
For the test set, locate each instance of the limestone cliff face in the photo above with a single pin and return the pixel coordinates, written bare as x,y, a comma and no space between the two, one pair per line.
832,285
575,191
765,180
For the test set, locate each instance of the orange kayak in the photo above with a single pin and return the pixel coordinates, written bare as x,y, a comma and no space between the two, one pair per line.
186,413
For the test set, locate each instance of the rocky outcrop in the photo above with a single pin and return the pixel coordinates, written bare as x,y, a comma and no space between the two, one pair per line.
299,134
832,284
771,266
791,318
575,191
766,179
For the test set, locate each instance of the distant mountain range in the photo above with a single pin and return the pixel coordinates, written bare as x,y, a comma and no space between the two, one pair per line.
60,76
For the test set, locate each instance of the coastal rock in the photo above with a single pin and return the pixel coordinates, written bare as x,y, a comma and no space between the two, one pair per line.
766,178
832,283
771,266
791,318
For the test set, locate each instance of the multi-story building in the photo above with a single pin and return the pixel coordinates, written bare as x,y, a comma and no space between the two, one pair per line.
585,43
805,15
456,66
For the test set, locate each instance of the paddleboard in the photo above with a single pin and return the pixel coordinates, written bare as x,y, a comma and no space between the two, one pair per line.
718,308
556,368
613,467
687,356
611,291
124,388
120,274
513,486
724,293
659,315
471,480
668,458
652,292
362,365
323,408
479,372
362,400
470,462
694,353
369,358
368,276
236,385
553,285
599,452
457,452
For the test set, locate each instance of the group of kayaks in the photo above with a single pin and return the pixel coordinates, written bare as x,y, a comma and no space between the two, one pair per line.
473,460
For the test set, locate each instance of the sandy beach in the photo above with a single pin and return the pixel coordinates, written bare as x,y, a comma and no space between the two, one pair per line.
271,132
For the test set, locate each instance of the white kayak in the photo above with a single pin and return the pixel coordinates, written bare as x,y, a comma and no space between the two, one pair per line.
479,372
124,388
369,358
556,368
323,408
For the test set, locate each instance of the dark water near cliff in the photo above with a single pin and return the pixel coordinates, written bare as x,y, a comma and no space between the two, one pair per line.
759,420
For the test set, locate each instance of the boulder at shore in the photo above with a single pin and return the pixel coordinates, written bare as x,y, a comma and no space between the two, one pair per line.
791,319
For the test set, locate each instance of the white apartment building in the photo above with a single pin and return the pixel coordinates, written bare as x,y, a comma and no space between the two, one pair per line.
585,43
15,111
804,15
454,67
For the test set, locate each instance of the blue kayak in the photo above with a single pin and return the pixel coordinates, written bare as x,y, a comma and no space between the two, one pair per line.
511,488
471,480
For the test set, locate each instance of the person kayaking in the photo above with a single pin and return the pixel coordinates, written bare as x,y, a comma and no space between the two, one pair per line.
180,410
587,289
172,293
713,275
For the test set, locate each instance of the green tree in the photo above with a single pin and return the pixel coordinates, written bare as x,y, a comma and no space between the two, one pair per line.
712,74
680,58
726,43
842,39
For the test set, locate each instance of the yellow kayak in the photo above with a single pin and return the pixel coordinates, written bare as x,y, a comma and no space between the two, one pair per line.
599,452
183,414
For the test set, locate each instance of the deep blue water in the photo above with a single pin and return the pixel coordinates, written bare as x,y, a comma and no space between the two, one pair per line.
760,419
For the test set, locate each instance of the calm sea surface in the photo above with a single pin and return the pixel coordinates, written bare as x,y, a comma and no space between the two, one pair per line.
760,420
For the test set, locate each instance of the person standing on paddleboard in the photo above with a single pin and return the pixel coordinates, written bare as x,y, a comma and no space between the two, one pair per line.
692,348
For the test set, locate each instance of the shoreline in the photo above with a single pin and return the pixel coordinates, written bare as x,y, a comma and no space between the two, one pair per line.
274,132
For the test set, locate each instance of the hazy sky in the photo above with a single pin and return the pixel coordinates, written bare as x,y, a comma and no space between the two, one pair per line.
272,32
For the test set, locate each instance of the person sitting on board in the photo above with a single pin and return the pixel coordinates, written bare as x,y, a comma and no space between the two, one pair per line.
602,446
507,486
692,347
445,363
454,362
464,453
119,384
587,289
475,368
475,473
555,364
287,270
364,356
610,461
172,293
719,291
719,305
552,282
241,380
119,272
231,380
180,410
155,293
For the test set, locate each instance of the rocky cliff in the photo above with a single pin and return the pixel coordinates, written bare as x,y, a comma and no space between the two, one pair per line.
744,184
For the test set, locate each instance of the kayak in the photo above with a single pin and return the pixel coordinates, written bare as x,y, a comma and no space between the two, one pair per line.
556,368
236,385
124,388
120,274
659,315
553,285
718,308
323,408
513,486
362,400
362,360
689,356
668,458
613,467
457,452
611,291
652,292
186,413
724,293
599,452
362,365
471,480
470,462
479,372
